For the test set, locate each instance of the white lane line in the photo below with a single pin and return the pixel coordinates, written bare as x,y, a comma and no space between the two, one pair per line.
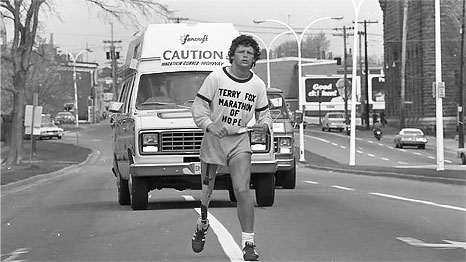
419,201
370,142
431,157
342,187
334,144
386,159
417,153
371,155
448,161
15,255
403,163
418,243
343,147
360,152
311,182
189,198
318,138
232,250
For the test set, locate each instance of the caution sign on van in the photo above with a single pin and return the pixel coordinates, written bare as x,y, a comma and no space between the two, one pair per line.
185,45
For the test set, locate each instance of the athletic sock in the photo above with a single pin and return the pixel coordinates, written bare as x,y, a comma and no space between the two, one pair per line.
246,237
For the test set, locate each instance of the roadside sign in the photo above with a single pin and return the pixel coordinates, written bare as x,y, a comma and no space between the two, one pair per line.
28,119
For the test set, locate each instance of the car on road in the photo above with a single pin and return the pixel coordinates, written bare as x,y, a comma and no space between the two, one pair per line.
410,137
461,154
65,117
283,139
50,130
334,120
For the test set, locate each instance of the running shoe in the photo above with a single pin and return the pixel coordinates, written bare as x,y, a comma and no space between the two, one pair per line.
249,252
198,239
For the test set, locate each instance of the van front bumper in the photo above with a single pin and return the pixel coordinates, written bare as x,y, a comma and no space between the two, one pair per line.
192,168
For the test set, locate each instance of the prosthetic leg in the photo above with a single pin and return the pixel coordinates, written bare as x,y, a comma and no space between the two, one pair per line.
208,173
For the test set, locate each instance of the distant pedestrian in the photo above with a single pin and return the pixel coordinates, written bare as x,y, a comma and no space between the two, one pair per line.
383,120
375,118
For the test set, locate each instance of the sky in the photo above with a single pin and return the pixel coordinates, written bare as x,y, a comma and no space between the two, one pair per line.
77,27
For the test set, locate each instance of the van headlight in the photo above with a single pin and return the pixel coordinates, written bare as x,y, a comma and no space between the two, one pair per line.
258,141
150,142
285,145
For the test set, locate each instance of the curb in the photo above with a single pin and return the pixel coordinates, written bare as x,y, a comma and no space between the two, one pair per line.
446,180
30,182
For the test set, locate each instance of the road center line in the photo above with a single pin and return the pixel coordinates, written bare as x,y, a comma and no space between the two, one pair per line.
232,250
342,187
419,201
311,182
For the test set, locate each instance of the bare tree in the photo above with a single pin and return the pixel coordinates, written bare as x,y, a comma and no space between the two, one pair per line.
24,16
311,47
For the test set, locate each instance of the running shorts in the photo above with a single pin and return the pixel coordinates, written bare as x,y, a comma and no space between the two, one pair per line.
215,150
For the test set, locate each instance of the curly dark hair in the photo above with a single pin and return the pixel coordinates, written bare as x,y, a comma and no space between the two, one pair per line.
244,40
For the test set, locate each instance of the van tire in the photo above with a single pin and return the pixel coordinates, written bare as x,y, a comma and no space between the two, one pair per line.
124,198
139,196
288,177
265,189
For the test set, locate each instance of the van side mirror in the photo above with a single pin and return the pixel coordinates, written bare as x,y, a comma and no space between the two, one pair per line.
298,117
115,107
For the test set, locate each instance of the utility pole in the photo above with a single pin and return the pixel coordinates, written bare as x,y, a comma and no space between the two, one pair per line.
345,66
178,19
113,56
461,87
366,63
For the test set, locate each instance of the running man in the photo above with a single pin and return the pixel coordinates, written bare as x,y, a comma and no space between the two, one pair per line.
225,103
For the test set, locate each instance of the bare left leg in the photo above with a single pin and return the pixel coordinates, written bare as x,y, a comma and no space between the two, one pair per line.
240,171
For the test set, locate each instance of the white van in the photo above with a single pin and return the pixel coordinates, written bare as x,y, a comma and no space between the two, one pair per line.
155,141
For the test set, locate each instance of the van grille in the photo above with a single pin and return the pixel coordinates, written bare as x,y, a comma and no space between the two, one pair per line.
181,141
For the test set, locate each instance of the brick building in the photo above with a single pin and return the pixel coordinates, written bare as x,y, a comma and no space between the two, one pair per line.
420,107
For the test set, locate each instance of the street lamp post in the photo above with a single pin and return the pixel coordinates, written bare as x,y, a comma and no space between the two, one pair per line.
267,49
300,84
301,130
75,84
352,160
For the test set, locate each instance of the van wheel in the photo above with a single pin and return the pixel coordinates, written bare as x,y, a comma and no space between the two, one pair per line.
463,159
288,177
265,189
139,196
123,191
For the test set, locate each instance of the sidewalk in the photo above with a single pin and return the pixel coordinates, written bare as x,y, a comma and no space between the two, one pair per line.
453,173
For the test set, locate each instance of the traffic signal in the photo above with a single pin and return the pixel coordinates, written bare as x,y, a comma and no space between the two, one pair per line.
109,55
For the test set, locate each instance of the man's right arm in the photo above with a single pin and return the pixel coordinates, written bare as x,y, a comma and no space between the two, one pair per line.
201,112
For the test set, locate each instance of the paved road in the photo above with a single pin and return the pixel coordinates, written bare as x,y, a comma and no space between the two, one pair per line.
329,216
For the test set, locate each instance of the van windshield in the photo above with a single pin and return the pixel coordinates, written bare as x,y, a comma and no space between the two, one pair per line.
169,90
277,106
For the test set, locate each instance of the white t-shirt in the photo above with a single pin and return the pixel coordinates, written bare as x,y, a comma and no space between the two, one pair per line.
226,100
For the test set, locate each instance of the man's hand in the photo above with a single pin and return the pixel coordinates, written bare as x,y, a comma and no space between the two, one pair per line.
260,128
219,131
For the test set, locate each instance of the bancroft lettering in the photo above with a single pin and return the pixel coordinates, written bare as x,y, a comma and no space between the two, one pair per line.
186,38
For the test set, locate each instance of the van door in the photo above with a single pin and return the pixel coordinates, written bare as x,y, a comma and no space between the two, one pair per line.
123,130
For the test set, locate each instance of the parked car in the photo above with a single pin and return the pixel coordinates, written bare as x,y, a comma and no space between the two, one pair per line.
410,137
334,120
50,130
65,117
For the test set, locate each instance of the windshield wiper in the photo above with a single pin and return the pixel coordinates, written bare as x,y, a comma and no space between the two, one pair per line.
157,103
